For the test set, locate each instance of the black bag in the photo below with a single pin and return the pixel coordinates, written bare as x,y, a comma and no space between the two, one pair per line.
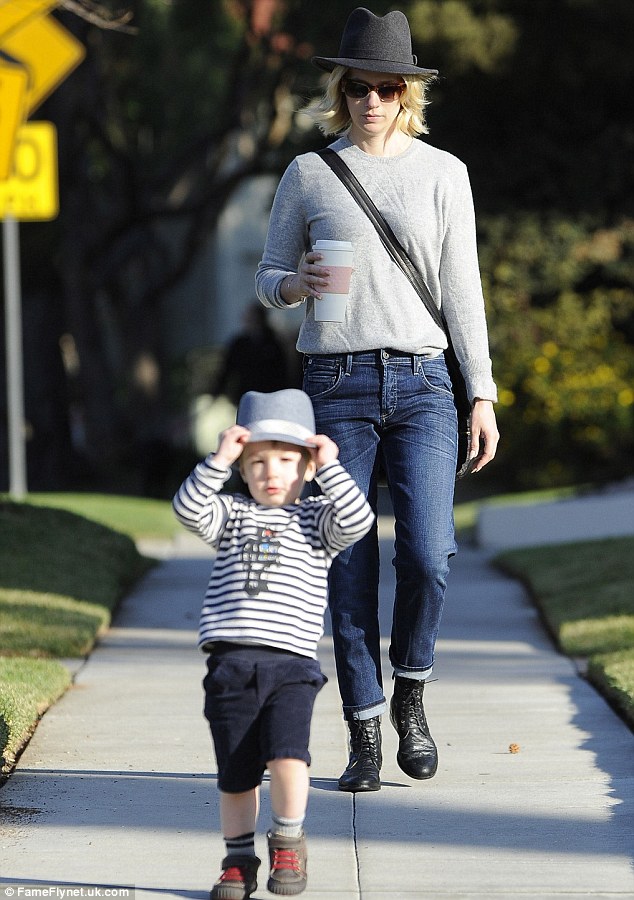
402,260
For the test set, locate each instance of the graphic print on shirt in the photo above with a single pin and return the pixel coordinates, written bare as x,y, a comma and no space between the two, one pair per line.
258,555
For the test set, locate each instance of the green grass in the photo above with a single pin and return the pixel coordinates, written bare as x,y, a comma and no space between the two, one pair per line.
61,577
27,688
585,592
138,517
614,673
55,552
48,625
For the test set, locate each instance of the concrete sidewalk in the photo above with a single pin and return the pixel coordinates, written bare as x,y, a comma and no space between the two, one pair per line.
117,786
605,513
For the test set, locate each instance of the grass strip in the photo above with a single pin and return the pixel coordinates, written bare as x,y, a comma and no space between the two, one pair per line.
138,517
27,688
48,625
52,551
61,577
614,674
585,593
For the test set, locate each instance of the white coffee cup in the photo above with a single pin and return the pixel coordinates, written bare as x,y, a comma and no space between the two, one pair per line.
337,256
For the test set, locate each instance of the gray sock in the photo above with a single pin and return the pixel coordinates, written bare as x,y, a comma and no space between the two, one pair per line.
288,827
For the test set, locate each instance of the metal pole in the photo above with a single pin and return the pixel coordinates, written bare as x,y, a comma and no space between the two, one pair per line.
15,376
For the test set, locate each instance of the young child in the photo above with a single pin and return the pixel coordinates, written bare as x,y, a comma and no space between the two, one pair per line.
263,617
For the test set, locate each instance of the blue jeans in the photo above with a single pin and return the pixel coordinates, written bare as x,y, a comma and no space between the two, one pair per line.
386,408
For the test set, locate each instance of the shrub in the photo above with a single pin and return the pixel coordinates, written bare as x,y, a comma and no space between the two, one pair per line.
560,298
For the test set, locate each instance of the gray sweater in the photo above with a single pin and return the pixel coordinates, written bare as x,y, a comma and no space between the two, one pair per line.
425,195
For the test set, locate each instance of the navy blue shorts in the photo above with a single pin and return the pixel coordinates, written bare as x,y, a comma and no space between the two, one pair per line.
259,705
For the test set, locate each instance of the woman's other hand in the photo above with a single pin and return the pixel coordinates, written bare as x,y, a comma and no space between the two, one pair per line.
484,434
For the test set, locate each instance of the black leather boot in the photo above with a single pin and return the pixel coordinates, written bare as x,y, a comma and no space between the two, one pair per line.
417,754
364,765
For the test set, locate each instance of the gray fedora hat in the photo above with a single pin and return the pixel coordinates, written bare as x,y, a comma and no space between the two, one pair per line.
375,43
278,416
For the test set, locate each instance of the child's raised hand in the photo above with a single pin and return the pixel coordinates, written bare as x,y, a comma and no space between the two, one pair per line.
325,450
231,444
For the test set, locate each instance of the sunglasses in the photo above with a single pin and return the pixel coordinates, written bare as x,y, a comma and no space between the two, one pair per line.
359,90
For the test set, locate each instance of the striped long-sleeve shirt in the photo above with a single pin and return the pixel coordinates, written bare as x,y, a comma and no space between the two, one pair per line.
269,581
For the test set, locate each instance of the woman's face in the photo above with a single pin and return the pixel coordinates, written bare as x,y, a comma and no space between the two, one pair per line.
371,116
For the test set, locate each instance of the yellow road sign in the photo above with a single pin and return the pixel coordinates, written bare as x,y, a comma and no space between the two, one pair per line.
13,81
49,53
31,193
14,12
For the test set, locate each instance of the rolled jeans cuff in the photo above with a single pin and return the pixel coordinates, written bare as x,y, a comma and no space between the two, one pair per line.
362,715
420,675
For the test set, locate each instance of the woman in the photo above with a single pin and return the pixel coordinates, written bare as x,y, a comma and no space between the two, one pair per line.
378,380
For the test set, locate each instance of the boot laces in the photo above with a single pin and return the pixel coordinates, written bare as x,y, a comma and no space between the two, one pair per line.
234,873
413,714
365,738
286,860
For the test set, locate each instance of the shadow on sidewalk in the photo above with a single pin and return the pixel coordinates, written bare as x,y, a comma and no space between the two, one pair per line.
418,816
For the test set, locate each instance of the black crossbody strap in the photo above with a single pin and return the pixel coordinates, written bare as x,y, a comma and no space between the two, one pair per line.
387,236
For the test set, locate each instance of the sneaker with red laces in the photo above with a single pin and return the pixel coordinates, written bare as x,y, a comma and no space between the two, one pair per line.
238,879
288,859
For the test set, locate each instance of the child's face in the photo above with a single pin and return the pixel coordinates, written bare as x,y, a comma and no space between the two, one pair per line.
275,472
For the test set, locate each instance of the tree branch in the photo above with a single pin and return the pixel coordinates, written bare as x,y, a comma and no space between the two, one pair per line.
98,15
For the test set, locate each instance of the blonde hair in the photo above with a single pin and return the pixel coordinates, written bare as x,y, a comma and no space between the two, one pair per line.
330,111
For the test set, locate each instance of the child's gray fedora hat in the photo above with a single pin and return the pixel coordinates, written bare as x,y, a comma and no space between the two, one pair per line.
375,43
278,416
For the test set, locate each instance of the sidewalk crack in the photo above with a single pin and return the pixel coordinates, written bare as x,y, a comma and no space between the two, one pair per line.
356,846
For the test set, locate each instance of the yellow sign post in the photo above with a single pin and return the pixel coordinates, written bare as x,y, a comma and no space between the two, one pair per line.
36,54
30,193
13,84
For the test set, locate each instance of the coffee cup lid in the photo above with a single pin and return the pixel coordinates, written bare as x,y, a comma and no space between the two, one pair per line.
333,245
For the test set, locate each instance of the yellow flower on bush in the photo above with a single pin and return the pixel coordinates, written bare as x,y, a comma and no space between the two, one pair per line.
541,365
565,363
603,375
626,397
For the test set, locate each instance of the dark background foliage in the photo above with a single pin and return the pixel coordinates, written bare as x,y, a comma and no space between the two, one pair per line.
157,130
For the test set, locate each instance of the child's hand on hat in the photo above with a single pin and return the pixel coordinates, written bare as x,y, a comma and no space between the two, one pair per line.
230,445
325,450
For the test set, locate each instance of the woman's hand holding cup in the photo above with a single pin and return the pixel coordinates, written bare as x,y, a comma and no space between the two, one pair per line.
310,279
313,277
